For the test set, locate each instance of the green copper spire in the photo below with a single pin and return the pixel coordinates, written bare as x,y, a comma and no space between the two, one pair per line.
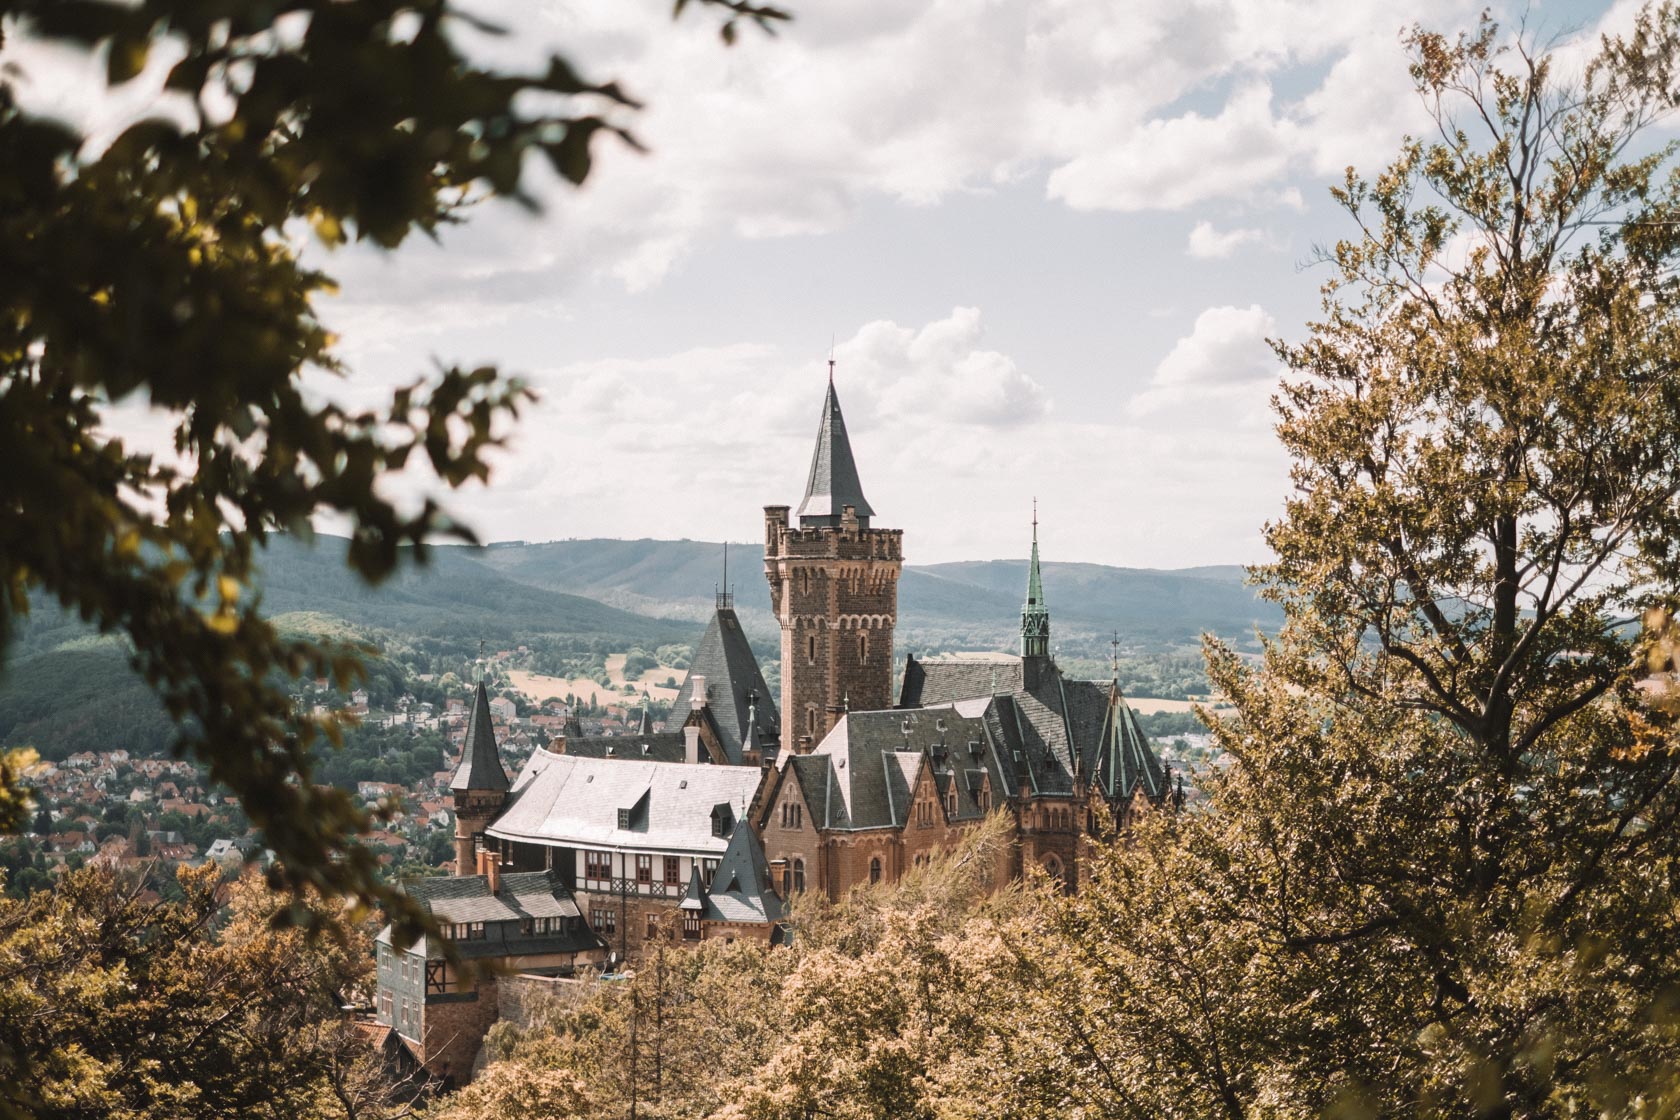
1035,616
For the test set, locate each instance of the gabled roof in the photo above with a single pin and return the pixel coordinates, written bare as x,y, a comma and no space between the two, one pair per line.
863,774
739,699
1047,730
480,767
467,899
563,799
833,483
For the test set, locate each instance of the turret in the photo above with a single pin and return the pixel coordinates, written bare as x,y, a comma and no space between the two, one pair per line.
479,786
1035,616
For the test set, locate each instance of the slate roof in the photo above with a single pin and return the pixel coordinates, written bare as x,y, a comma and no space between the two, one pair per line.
927,683
663,746
466,899
567,800
740,890
480,767
971,735
740,701
833,483
863,774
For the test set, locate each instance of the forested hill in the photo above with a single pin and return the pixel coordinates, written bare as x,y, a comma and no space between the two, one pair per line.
971,604
454,597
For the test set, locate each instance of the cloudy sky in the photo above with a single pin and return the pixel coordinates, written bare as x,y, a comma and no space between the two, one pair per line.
1047,240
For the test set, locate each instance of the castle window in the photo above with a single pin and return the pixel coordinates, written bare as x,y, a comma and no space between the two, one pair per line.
793,815
805,578
799,876
597,865
708,868
673,871
951,803
652,926
863,647
787,882
810,721
644,869
811,647
875,870
691,925
624,818
604,919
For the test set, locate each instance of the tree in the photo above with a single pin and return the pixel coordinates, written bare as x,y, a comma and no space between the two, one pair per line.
113,1004
163,266
1439,879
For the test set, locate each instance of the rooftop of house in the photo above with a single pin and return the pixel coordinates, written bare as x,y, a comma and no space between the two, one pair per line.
565,799
506,914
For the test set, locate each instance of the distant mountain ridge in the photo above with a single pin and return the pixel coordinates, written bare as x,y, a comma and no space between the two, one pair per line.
614,594
963,604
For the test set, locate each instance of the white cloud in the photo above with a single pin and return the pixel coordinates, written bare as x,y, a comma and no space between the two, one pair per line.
1172,163
1224,356
1207,243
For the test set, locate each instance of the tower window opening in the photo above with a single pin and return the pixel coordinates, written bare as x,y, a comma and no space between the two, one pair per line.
811,647
863,647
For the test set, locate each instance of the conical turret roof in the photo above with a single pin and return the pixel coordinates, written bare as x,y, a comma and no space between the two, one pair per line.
480,767
833,484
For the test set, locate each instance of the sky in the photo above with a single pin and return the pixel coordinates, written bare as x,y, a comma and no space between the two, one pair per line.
1045,242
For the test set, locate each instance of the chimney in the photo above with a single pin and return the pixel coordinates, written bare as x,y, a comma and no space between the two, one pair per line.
697,698
490,866
691,743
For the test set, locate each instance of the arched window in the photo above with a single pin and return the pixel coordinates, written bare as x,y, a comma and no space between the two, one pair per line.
1053,867
787,882
799,876
863,647
810,721
875,870
811,647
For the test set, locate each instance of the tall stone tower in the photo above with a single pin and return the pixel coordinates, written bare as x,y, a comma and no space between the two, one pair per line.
479,785
834,588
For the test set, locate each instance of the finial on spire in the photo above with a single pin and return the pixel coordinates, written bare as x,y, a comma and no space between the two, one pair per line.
725,595
831,359
1115,659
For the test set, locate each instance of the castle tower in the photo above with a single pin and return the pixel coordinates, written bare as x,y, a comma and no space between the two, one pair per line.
834,588
479,785
1035,618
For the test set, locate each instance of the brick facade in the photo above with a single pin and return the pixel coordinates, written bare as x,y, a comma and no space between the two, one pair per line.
834,590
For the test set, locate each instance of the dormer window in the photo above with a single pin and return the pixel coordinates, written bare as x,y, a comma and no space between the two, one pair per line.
624,819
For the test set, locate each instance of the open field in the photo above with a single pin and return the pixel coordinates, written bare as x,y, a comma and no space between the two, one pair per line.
540,687
1149,705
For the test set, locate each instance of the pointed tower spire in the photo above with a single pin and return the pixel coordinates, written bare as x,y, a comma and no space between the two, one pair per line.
480,767
1035,615
833,484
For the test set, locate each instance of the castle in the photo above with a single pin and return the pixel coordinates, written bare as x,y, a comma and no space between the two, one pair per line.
599,847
